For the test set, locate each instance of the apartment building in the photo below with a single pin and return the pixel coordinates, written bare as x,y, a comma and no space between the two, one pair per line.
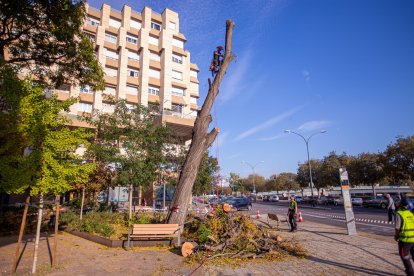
145,62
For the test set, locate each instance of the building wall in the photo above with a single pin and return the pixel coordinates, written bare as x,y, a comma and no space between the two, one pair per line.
150,44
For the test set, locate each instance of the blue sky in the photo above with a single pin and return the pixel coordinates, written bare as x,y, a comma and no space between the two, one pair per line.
305,65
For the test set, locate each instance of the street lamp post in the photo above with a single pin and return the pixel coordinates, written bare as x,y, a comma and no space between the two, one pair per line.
307,150
254,184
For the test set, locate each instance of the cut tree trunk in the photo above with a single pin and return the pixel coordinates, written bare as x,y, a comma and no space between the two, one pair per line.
201,139
39,224
187,248
22,225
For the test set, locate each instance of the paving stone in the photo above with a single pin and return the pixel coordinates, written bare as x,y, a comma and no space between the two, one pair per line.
331,252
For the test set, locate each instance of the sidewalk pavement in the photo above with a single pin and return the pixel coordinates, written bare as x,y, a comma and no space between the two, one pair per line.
331,252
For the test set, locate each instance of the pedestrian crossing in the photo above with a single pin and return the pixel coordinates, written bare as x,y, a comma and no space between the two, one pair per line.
264,210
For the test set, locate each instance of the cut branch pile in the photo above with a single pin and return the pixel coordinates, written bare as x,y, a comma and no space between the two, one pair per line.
229,237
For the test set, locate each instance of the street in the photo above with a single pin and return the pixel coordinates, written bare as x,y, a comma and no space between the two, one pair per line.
370,220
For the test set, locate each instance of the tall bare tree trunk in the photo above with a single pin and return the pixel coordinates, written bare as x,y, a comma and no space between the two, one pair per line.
39,224
131,191
19,240
201,140
82,203
56,230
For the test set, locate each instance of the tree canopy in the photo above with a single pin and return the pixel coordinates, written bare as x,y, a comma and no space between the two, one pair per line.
45,38
45,160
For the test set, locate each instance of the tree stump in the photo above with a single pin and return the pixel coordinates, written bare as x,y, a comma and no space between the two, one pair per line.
226,207
187,248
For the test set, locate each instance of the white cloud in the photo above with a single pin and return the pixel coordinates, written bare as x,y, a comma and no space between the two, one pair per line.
233,83
314,125
268,123
272,137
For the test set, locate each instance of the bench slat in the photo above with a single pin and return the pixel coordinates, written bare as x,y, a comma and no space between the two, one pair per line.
137,232
153,236
156,225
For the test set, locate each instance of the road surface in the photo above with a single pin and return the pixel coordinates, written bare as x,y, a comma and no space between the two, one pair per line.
369,220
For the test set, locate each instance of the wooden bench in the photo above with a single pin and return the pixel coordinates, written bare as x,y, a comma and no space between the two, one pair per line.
154,231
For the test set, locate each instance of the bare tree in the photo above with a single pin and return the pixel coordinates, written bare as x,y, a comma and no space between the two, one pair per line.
201,139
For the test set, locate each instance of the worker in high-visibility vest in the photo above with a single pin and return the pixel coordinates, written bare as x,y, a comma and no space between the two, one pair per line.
404,234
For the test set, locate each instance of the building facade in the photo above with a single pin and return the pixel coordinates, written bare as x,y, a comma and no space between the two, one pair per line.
145,62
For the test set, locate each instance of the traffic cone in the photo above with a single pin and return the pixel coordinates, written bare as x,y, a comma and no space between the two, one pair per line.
258,214
300,218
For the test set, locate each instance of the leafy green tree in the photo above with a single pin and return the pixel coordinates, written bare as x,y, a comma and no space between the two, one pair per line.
328,175
206,175
287,181
302,176
50,164
129,139
398,160
366,169
272,185
236,182
258,181
45,38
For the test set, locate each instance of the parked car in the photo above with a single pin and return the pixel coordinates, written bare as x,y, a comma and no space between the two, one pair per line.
298,199
331,199
274,198
356,201
338,201
376,201
239,203
323,200
410,202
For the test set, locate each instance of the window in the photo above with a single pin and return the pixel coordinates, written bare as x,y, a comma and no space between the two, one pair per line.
132,73
114,23
193,73
177,91
86,89
178,108
135,24
155,56
133,55
111,72
110,90
111,54
85,107
91,37
154,73
177,58
130,106
133,90
155,26
153,40
177,75
110,38
132,39
93,21
109,108
178,43
64,88
193,100
171,25
154,90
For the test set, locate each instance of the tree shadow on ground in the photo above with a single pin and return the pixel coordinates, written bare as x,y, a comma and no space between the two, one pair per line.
350,267
323,234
